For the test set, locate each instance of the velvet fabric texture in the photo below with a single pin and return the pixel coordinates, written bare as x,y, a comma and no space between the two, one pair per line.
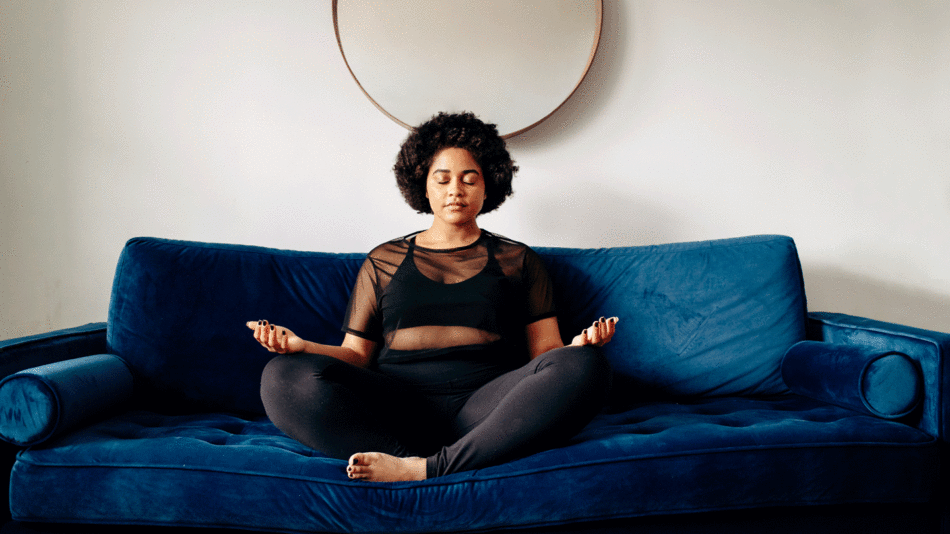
697,319
710,318
882,383
178,311
33,351
55,398
701,418
220,470
928,349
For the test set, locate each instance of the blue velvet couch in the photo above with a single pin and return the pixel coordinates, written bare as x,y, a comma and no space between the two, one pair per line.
731,407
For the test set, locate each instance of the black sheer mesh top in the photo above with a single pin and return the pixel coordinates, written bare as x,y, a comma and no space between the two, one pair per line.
417,301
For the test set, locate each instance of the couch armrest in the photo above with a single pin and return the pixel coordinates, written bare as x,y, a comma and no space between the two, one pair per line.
929,349
886,384
32,351
52,399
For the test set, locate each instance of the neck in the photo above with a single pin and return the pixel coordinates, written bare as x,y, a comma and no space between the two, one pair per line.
448,235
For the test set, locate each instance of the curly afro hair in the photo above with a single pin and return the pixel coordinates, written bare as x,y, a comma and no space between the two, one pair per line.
461,130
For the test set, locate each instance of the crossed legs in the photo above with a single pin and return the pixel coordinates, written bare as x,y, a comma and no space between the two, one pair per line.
337,408
533,408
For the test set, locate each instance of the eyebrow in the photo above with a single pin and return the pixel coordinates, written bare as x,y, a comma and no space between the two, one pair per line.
467,171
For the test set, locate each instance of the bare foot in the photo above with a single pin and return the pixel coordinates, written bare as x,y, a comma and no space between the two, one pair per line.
379,467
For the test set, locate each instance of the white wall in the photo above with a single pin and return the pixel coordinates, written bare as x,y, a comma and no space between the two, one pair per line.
238,122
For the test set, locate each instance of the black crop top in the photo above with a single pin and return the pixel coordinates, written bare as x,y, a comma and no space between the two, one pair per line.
418,301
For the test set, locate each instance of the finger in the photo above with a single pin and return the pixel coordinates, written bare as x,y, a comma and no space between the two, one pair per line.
258,330
594,334
251,324
602,328
612,325
283,342
584,339
271,338
607,331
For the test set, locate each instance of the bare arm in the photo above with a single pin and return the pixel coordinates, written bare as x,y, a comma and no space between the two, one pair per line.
545,335
354,349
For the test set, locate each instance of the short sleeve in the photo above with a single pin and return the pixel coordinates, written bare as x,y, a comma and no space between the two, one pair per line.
539,291
362,314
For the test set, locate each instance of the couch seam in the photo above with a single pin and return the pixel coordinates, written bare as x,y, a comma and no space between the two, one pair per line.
430,483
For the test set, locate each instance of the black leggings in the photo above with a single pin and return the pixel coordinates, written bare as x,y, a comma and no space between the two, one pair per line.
470,420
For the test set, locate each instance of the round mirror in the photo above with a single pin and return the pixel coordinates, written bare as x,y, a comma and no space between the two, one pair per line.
511,63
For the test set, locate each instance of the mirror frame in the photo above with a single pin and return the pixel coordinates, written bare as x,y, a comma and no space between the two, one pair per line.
599,15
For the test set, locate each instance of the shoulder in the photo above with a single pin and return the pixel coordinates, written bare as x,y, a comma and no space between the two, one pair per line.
397,245
505,243
387,256
507,247
515,257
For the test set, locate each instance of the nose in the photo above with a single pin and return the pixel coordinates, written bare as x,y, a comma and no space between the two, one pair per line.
455,188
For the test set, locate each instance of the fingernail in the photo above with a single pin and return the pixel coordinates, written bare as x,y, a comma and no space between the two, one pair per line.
283,332
602,319
260,323
356,461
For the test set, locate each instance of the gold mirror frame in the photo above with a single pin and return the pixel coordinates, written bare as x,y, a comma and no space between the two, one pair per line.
522,62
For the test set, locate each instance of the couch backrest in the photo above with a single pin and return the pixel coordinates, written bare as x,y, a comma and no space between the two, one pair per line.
178,311
705,318
710,318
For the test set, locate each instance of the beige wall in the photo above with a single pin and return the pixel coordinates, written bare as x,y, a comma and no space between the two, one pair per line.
238,122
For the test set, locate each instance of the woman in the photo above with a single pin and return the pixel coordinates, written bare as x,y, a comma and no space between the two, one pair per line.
452,358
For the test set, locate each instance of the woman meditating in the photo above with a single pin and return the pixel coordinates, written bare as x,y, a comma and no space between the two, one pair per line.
452,358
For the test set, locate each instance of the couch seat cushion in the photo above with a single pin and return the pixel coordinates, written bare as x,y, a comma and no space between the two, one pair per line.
726,453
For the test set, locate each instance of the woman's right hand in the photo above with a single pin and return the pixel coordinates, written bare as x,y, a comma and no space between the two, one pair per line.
276,338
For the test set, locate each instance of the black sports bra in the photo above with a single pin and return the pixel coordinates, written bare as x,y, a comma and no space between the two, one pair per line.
417,302
423,318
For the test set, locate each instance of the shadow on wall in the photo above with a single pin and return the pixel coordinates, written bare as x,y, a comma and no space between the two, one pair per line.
594,92
835,290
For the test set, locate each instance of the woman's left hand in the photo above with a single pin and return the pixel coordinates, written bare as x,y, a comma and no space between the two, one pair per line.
597,335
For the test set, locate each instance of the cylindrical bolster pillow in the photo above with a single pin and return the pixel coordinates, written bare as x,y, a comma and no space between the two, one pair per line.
882,383
44,401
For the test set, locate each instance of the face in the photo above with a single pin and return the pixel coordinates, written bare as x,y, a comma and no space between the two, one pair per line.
455,186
